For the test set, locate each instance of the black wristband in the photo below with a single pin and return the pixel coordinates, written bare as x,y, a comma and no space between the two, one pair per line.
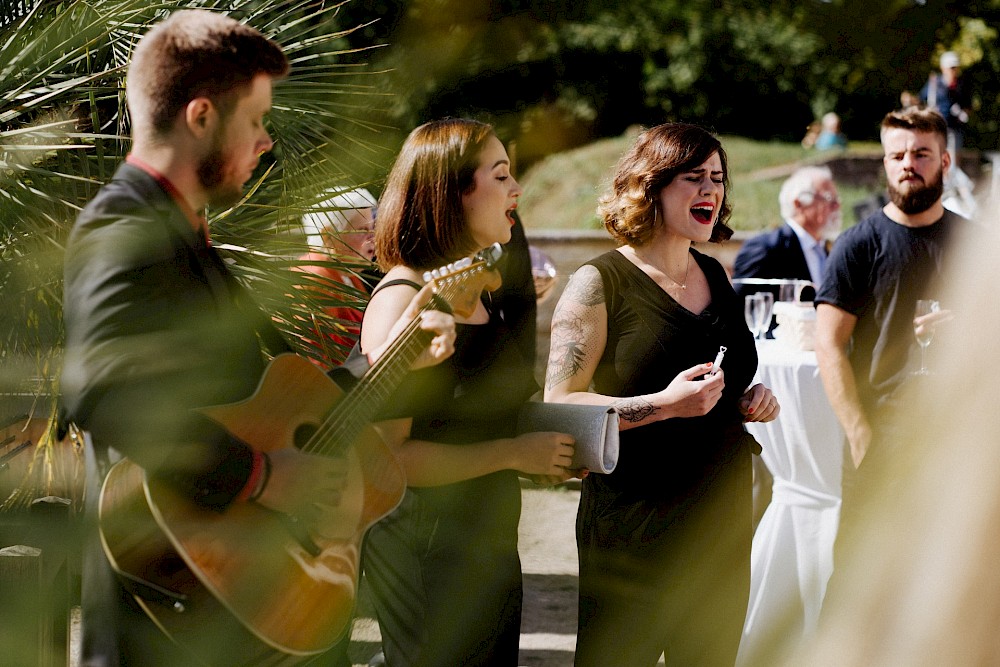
264,478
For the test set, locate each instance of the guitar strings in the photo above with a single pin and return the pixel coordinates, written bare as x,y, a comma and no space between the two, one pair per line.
344,418
335,428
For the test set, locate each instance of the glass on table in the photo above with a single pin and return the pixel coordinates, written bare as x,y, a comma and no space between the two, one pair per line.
751,306
757,309
766,307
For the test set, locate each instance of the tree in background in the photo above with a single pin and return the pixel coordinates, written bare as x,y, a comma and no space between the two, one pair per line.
556,73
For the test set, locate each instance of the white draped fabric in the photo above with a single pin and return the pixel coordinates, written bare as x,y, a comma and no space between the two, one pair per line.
792,555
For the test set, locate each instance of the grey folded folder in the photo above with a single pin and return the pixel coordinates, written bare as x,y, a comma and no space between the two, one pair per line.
595,428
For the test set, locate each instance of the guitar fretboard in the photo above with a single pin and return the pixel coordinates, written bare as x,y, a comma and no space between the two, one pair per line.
360,406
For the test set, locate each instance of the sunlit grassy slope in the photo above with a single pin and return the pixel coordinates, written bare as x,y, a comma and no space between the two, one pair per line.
561,191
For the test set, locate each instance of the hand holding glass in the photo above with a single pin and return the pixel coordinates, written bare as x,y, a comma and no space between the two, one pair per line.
924,332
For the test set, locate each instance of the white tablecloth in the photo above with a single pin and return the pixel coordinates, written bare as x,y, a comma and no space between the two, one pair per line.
792,555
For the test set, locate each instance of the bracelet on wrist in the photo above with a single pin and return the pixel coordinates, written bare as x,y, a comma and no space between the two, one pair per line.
264,478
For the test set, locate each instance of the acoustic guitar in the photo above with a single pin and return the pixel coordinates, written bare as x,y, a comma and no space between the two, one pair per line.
250,586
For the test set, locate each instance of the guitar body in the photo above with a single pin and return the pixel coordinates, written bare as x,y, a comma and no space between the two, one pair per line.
238,587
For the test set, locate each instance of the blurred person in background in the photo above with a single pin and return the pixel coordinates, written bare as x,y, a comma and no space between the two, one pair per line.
340,228
797,250
517,295
830,136
946,91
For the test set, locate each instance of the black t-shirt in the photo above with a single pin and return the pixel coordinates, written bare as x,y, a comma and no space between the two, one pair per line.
877,271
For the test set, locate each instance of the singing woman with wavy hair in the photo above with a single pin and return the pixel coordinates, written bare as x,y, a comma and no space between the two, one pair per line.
664,540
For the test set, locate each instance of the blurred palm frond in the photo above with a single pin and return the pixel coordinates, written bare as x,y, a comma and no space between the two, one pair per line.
64,129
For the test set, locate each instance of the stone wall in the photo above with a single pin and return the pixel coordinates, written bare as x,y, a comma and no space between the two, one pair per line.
863,170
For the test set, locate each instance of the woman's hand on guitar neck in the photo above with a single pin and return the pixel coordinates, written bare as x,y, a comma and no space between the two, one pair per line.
441,324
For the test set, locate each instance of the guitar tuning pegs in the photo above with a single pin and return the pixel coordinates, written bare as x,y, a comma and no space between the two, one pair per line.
427,276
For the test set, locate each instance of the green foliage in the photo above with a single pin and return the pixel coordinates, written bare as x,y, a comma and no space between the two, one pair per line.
64,129
556,74
550,75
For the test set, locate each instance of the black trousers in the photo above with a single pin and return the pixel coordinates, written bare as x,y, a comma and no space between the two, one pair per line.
114,630
665,577
443,595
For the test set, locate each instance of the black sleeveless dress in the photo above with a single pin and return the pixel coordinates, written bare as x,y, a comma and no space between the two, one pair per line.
443,567
664,540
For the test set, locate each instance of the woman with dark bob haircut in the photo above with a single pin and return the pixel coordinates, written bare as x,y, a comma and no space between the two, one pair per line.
443,567
664,540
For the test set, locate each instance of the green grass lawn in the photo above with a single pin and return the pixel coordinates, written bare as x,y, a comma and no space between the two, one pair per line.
561,191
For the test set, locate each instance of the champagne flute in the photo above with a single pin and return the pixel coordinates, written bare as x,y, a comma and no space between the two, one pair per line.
926,335
764,308
751,306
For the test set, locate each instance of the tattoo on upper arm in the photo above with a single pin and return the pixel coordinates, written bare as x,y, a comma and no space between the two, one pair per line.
585,288
568,352
568,348
634,409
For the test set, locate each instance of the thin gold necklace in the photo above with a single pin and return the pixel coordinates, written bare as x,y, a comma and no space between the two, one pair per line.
687,269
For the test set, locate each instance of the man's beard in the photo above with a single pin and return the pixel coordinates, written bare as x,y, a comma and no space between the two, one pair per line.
212,174
920,197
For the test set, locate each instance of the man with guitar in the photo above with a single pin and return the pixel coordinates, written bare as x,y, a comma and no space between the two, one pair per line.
157,327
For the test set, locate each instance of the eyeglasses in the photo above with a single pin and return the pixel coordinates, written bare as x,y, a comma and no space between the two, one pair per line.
829,198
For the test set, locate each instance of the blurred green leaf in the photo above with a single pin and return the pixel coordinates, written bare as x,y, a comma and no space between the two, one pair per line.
64,130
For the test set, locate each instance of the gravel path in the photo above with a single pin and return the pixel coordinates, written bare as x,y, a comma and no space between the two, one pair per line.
548,559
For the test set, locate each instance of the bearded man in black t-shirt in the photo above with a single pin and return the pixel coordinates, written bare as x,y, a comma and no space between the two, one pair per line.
877,270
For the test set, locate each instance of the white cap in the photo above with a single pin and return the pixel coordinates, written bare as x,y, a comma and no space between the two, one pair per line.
949,59
330,213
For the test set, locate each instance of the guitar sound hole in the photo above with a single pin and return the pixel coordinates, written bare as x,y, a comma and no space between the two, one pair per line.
303,434
168,565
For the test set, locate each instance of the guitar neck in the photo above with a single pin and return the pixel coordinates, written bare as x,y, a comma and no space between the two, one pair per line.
361,405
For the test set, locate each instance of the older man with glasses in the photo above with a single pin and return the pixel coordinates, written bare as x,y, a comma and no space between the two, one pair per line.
810,207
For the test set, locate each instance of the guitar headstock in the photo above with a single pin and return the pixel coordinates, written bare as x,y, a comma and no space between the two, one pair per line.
460,283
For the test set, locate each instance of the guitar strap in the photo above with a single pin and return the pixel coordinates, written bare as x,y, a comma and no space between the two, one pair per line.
356,364
397,281
439,303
